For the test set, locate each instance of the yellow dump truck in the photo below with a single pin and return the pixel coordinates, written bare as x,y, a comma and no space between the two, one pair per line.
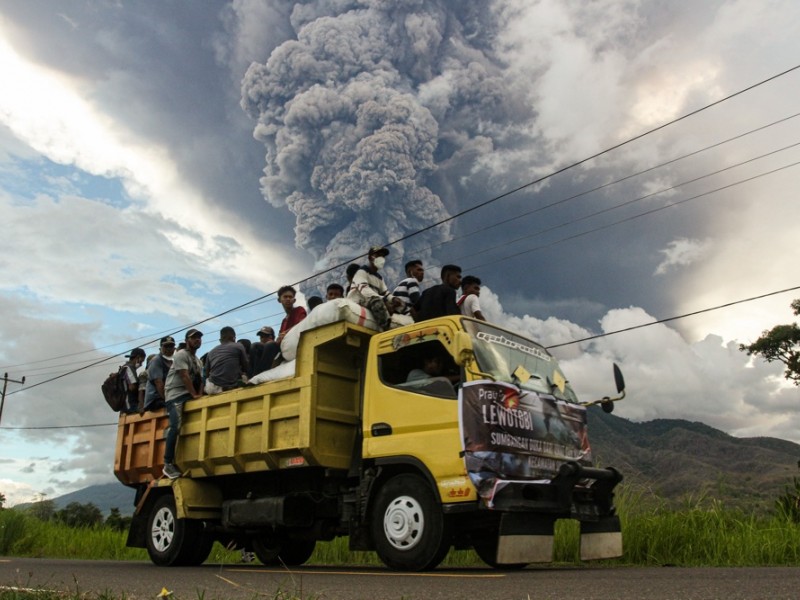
446,433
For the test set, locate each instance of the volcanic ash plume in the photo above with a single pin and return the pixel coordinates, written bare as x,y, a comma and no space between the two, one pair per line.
357,111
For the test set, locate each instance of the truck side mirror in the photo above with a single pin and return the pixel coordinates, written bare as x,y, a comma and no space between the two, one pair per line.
619,379
462,348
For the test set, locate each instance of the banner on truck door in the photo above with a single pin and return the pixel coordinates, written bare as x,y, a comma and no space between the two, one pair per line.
512,434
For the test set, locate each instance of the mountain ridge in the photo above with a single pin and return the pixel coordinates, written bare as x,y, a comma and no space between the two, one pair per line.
673,459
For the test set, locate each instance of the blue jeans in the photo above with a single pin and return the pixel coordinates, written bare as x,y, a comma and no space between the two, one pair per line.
175,414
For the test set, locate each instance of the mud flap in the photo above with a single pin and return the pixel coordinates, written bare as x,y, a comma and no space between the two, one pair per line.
524,539
601,539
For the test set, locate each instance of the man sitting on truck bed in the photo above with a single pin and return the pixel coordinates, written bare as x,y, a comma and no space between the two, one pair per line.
226,363
294,314
370,291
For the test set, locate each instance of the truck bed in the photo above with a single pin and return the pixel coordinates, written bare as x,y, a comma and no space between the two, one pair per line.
310,419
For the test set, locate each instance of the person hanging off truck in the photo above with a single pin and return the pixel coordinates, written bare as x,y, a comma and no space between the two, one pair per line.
184,382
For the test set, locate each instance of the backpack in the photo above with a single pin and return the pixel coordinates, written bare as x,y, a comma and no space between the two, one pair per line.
114,390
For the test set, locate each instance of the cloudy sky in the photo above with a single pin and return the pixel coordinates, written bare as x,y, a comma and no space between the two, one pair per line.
162,163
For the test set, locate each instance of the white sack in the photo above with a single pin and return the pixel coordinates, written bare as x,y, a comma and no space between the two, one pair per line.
283,370
332,311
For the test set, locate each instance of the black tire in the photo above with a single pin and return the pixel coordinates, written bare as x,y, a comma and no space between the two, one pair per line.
408,526
266,549
172,541
283,550
486,549
202,549
296,552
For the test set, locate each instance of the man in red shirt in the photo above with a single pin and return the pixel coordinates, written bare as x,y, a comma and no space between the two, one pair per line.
294,314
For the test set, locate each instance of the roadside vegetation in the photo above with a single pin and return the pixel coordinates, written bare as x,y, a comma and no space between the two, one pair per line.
701,532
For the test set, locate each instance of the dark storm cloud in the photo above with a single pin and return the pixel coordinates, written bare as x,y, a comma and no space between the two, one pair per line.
363,107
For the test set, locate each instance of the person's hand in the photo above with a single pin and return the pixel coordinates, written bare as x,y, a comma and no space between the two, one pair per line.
395,305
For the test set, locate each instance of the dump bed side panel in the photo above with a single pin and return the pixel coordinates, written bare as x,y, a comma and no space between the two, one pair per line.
309,419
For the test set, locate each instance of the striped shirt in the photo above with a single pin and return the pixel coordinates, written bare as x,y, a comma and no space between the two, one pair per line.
408,292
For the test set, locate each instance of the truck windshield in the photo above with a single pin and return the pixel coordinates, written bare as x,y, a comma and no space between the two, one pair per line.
500,353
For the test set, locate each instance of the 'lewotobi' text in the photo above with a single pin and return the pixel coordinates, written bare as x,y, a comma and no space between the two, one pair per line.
497,414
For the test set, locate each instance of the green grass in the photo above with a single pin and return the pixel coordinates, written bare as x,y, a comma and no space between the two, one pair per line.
701,532
706,533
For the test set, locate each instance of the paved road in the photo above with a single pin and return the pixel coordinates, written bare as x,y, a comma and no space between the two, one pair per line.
140,580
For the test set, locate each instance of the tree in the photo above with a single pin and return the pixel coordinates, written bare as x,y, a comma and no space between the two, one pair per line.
782,343
43,509
2,500
116,521
76,514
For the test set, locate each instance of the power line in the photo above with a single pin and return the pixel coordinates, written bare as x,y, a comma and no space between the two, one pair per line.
596,155
60,427
485,228
638,199
634,217
691,314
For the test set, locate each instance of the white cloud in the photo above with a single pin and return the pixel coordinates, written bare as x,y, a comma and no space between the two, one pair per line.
48,111
16,492
667,377
681,252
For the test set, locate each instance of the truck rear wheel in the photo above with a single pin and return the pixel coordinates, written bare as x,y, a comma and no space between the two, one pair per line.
296,552
276,551
267,549
408,527
172,541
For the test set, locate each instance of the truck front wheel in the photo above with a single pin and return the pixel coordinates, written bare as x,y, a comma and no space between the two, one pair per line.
172,541
408,527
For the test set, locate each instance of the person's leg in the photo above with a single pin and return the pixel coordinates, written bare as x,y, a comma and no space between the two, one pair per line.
256,352
379,311
271,350
175,414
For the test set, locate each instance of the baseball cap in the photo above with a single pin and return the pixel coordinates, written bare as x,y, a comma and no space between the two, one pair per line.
193,333
167,341
378,251
266,331
135,352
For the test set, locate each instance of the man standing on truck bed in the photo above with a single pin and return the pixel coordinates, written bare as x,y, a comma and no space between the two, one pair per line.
184,382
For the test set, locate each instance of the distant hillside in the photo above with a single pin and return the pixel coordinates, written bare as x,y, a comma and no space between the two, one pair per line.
677,459
105,497
670,458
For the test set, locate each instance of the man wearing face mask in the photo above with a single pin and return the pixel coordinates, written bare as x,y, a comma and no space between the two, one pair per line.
369,290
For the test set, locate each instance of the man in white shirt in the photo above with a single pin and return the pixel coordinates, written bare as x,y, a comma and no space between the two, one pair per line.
469,303
369,290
